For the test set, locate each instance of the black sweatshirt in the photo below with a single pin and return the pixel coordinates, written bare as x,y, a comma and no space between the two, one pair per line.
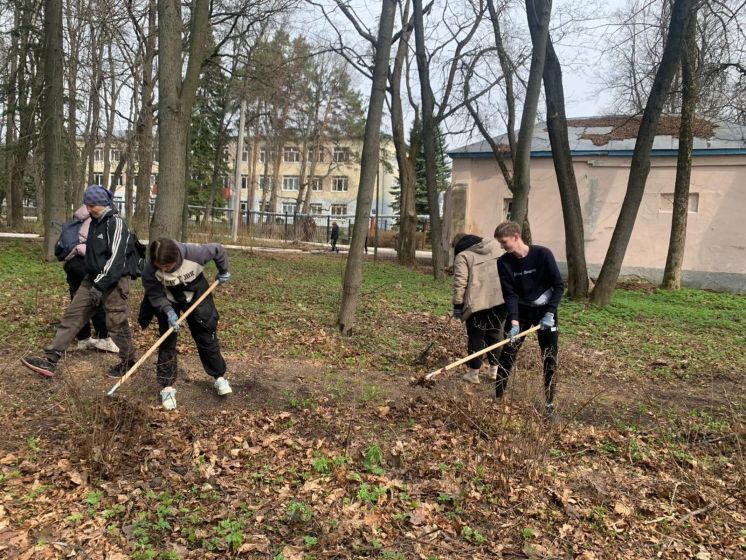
525,279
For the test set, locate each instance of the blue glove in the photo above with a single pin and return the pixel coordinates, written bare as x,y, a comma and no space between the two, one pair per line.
223,277
172,320
514,331
547,322
458,312
96,296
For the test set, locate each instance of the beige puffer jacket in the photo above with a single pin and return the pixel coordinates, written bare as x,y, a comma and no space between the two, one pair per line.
476,284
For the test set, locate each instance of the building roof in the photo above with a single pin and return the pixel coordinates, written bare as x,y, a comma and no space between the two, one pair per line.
615,135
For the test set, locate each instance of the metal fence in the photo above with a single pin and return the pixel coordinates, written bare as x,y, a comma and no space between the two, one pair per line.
313,228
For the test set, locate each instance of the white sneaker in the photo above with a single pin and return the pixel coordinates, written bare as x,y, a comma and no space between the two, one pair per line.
105,344
168,398
472,376
87,344
222,386
492,373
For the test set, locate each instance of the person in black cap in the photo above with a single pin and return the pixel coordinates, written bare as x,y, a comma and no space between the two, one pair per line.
110,266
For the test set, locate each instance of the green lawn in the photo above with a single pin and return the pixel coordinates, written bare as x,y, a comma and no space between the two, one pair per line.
287,305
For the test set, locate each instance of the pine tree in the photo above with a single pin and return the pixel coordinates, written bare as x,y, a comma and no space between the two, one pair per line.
208,138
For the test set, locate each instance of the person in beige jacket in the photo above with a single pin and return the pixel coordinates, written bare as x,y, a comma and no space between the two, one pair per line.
478,299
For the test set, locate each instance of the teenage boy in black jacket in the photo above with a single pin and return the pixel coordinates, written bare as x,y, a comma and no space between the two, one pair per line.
109,271
532,287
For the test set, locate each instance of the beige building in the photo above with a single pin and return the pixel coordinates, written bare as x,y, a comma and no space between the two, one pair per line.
334,184
715,255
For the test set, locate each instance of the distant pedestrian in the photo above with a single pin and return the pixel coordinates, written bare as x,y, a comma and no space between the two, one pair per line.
110,265
75,274
533,287
478,299
173,279
334,236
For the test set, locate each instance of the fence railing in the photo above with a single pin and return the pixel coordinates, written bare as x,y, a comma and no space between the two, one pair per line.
284,226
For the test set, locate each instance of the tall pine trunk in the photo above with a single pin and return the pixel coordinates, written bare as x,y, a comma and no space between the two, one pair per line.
368,169
640,166
690,84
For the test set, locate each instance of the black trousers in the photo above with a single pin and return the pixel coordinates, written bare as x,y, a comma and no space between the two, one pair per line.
75,271
548,343
485,328
203,325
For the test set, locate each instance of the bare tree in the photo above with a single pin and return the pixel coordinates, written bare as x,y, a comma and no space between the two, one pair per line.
540,10
563,167
690,84
368,169
175,100
640,165
52,118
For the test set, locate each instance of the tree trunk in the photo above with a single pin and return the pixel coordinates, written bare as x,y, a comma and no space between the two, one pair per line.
175,101
238,159
690,83
429,134
577,272
10,123
144,126
52,119
407,243
640,165
368,169
540,11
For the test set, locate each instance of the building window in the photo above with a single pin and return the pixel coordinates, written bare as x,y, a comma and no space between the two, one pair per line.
316,208
264,182
339,184
244,181
316,154
507,208
288,207
339,210
114,154
245,155
265,207
119,180
666,203
263,155
153,179
97,155
291,154
317,184
340,155
290,182
98,178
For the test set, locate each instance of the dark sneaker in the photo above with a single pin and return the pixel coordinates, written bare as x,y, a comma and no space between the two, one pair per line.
43,366
120,369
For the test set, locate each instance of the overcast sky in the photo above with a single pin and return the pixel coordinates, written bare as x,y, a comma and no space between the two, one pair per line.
581,54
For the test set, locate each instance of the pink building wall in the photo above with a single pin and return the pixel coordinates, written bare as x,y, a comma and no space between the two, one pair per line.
715,255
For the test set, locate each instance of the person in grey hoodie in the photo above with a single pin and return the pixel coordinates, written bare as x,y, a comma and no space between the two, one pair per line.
75,273
478,299
173,279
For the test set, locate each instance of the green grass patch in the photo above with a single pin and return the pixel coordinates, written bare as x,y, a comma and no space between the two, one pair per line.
288,304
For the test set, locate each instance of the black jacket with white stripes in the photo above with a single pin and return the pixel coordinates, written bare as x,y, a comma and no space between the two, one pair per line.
106,250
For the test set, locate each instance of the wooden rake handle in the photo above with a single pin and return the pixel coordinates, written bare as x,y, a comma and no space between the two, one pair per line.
457,363
163,337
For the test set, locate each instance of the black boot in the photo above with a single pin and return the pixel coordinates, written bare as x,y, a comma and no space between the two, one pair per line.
120,369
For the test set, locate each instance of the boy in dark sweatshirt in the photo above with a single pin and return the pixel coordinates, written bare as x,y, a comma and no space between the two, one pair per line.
532,287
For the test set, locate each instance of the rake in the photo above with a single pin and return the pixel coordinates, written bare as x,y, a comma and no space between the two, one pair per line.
163,337
457,363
